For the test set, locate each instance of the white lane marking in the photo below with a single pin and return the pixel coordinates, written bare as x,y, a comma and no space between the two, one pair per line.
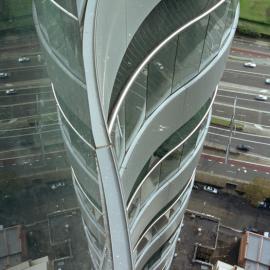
24,67
242,108
242,115
254,170
255,74
239,139
239,98
27,103
238,132
220,111
242,90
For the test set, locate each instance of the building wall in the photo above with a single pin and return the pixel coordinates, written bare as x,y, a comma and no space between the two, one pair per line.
134,89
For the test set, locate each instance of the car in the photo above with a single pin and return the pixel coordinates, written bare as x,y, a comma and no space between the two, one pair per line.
243,147
265,204
10,92
210,189
250,64
56,184
267,81
4,75
261,98
23,59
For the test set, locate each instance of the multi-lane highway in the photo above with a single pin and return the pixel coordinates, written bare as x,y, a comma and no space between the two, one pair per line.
248,109
239,87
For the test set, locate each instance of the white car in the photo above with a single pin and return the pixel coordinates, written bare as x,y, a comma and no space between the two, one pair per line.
10,91
267,81
210,189
250,64
261,98
23,59
3,75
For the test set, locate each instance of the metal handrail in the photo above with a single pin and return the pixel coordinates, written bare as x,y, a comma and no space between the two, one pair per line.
126,89
167,210
176,147
64,10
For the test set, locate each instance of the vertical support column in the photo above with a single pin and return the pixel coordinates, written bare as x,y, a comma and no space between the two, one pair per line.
111,187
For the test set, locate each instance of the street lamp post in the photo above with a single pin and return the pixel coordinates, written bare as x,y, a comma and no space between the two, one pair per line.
232,127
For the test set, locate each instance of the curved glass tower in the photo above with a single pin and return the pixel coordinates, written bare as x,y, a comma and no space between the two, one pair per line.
134,82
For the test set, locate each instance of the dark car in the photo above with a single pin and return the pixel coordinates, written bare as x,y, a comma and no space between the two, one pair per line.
243,147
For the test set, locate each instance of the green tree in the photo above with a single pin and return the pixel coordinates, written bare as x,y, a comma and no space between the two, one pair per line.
257,190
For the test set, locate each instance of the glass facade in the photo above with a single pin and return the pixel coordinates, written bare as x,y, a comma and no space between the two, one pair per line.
153,176
59,31
174,65
163,219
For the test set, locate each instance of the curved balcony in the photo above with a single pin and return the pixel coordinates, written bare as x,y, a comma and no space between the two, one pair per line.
163,219
168,159
172,64
159,258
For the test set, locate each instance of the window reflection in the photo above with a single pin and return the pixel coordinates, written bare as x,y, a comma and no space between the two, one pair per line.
189,51
171,164
172,67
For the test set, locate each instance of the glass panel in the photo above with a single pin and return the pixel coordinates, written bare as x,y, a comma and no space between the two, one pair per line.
160,74
135,206
189,51
215,32
63,34
170,164
135,106
88,183
189,145
72,99
159,225
89,206
150,184
97,238
79,147
229,20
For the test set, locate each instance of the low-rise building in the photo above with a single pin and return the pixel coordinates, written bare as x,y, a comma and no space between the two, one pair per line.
225,266
38,264
254,252
13,247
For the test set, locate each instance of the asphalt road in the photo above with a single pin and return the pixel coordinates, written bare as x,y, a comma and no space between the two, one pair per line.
247,84
260,146
236,73
229,209
29,90
251,44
